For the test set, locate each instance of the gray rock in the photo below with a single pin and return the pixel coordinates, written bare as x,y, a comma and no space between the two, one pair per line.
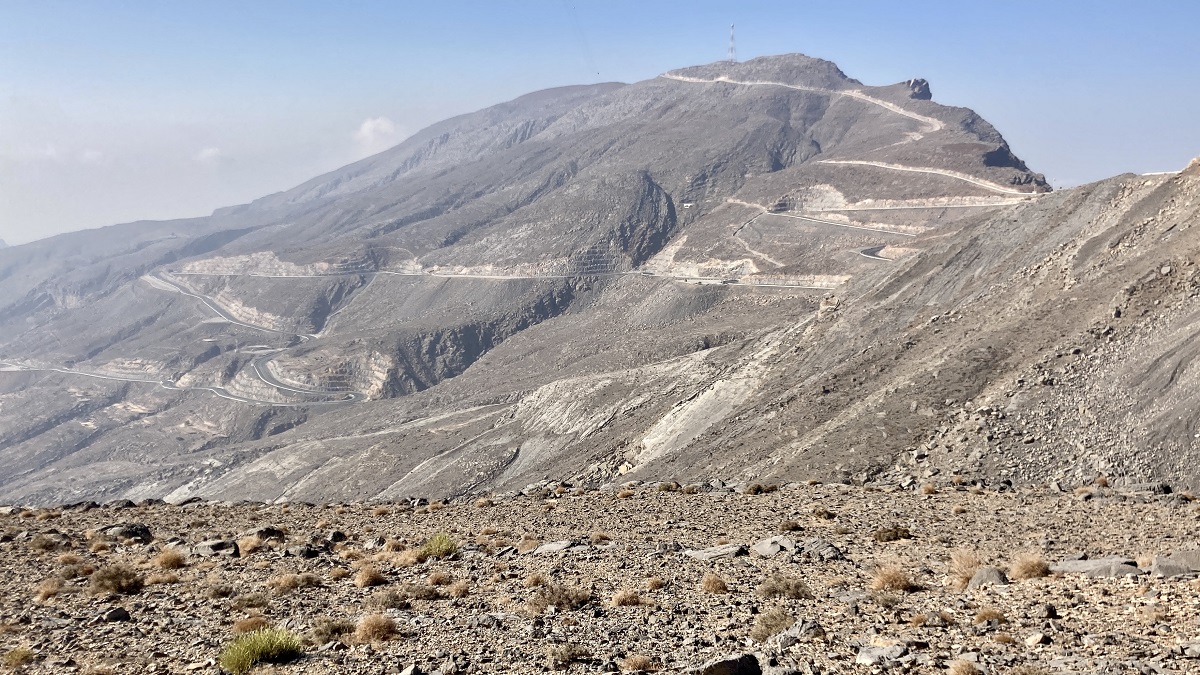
554,547
740,664
772,545
215,547
818,549
988,576
304,551
1189,559
875,656
135,531
717,552
801,631
1088,567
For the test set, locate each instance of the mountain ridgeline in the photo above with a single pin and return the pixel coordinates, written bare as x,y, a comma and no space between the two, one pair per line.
758,270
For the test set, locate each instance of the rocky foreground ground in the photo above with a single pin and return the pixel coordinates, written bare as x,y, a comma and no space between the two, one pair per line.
821,578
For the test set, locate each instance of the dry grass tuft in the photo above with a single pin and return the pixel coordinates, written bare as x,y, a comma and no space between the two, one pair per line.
69,559
339,573
460,589
655,583
964,563
562,656
48,589
625,494
326,630
597,538
249,601
893,533
711,583
560,596
963,667
771,622
375,628
639,663
43,543
627,598
369,576
249,625
1028,565
17,657
380,511
483,503
170,559
439,578
929,489
161,578
534,580
892,578
789,526
526,544
989,614
784,586
248,545
119,578
286,583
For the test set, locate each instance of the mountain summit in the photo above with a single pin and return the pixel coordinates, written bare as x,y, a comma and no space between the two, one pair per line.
740,270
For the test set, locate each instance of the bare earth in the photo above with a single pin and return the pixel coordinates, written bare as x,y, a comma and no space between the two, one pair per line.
477,610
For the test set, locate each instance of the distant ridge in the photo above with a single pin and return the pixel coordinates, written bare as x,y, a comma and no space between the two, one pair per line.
2,244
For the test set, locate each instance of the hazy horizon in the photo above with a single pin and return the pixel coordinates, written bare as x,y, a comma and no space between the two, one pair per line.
112,112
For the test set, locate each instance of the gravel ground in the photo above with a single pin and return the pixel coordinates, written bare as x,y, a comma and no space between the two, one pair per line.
501,602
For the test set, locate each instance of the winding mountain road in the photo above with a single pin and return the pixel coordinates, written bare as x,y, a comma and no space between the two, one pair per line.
930,124
986,184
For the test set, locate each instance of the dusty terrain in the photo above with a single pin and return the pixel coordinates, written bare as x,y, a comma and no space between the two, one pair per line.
561,578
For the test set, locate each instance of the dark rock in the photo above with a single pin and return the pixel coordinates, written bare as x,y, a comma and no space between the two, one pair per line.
741,664
116,614
135,531
268,533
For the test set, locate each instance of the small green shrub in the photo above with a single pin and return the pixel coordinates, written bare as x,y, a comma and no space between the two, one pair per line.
269,645
440,545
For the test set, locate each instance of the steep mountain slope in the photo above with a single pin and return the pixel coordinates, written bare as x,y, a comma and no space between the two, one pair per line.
764,269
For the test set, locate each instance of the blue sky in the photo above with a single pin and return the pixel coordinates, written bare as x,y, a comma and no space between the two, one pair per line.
115,111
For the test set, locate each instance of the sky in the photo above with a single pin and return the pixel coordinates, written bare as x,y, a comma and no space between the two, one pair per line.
119,111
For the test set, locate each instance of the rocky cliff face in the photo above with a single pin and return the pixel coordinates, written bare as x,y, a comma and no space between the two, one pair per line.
736,268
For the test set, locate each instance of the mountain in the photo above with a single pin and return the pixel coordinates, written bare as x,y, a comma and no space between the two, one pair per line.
761,269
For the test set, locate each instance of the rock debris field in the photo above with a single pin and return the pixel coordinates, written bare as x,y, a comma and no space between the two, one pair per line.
800,578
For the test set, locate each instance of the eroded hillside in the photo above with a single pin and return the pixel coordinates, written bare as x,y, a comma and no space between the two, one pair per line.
751,269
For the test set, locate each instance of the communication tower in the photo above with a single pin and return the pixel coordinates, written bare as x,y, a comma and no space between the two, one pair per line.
732,49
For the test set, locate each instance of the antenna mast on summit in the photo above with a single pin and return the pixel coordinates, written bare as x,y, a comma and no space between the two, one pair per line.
732,49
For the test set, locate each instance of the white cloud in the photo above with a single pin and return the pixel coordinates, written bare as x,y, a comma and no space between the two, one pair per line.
375,134
208,156
90,156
